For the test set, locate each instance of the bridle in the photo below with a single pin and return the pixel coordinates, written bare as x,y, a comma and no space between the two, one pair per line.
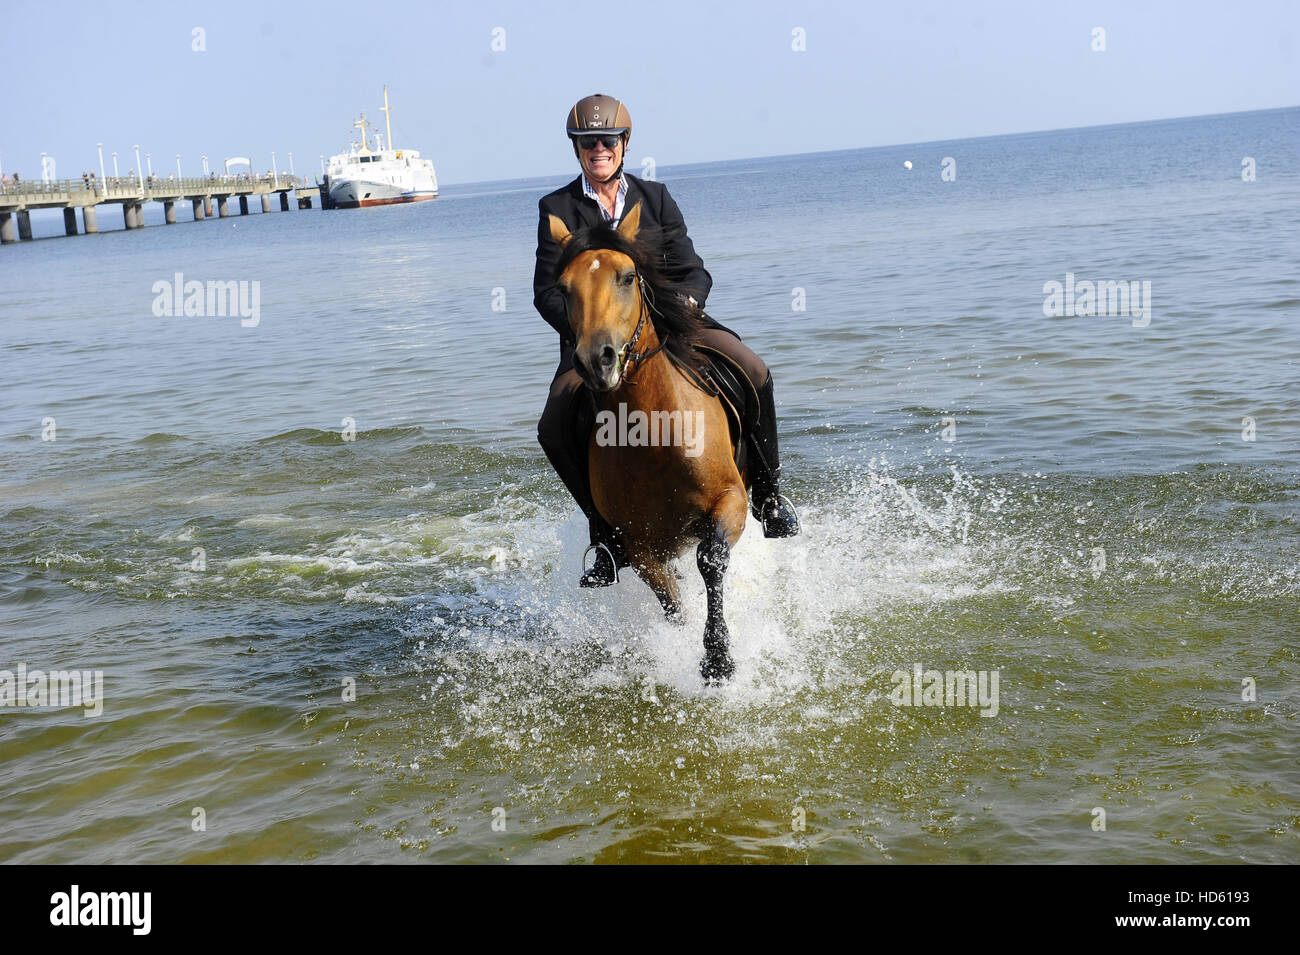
625,354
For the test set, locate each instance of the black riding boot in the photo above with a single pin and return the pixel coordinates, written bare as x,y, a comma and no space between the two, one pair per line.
609,553
569,458
770,506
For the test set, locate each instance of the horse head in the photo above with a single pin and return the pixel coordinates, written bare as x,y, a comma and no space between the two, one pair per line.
601,284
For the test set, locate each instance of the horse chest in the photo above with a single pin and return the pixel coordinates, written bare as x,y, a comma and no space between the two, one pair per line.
653,473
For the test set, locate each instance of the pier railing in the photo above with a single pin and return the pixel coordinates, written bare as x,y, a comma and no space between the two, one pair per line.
80,191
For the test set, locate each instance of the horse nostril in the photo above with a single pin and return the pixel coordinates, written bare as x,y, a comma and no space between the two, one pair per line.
608,356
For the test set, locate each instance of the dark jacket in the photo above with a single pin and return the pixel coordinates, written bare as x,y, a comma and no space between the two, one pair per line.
577,211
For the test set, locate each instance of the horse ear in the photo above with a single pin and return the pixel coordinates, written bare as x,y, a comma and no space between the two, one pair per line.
559,231
631,223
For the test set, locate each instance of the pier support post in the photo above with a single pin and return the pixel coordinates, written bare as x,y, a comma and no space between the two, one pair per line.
198,210
70,221
266,203
243,205
169,213
24,224
207,206
89,220
284,202
223,208
7,228
132,215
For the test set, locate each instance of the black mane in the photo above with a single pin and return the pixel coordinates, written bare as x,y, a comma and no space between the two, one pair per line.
676,321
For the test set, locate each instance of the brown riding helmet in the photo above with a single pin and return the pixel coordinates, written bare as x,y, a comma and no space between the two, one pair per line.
598,113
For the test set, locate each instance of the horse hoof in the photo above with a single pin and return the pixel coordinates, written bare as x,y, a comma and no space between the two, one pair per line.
717,670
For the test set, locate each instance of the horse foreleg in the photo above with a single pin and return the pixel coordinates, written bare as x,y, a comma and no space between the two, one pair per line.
659,576
712,557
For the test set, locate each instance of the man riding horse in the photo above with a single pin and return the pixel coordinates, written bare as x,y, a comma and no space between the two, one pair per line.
599,127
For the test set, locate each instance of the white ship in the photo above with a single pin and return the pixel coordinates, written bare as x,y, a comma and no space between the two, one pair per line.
378,177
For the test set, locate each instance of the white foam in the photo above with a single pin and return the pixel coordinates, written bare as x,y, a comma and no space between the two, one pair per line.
266,520
875,549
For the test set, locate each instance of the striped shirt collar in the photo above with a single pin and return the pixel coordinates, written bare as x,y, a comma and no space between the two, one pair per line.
618,202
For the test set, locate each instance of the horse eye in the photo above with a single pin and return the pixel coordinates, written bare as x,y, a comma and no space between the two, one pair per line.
629,278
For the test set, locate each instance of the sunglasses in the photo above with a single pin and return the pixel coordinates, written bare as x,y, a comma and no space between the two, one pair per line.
589,142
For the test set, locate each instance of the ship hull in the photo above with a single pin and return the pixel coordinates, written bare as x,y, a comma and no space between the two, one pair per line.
366,203
360,194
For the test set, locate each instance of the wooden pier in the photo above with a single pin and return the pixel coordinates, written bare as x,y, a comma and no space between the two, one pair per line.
17,199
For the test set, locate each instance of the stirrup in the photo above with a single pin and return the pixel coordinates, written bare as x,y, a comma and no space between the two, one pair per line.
789,524
598,546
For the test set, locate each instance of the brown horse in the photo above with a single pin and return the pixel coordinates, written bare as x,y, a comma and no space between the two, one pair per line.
662,461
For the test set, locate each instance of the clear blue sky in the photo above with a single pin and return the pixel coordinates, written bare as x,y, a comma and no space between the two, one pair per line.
704,80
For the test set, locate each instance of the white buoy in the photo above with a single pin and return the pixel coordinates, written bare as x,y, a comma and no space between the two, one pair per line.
907,164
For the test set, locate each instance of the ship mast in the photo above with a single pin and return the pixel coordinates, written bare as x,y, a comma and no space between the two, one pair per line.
388,120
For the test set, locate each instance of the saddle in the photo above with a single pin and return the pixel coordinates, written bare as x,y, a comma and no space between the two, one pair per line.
739,399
